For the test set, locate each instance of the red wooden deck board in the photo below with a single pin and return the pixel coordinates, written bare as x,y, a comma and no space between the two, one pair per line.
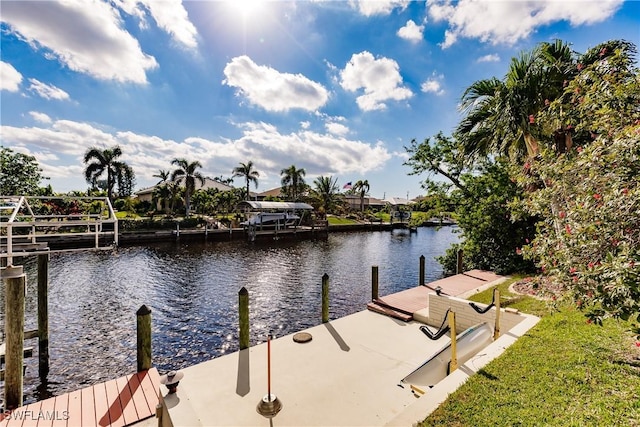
44,418
102,407
60,411
24,416
127,405
88,413
150,384
74,409
112,402
139,400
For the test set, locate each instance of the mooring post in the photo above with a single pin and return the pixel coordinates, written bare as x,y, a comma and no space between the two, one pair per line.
374,282
422,270
459,261
43,315
143,317
453,365
243,311
496,328
325,298
14,285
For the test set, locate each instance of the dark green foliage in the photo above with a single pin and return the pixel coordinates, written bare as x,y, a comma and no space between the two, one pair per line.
20,174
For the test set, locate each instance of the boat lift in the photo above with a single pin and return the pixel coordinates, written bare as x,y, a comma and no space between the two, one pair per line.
28,224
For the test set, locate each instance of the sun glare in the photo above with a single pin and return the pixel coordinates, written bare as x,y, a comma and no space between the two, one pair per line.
246,8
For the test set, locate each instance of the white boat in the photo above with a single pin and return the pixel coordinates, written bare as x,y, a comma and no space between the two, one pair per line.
436,368
272,219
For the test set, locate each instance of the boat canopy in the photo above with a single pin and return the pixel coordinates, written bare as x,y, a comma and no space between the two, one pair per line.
281,206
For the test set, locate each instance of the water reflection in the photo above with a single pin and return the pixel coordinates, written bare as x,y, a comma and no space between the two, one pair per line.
192,290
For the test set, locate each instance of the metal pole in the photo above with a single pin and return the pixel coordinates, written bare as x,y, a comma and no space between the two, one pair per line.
43,315
496,328
453,365
14,281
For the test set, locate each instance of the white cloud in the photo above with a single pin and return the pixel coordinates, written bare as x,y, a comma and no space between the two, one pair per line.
61,145
378,7
411,31
40,117
506,22
493,57
433,84
10,78
379,78
272,90
87,36
170,16
337,128
47,91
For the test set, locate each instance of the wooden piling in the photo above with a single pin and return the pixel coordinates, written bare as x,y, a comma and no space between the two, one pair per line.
422,270
243,311
143,318
43,315
374,282
459,265
496,328
14,282
325,298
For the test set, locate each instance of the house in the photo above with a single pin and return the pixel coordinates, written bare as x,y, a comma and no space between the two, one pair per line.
146,194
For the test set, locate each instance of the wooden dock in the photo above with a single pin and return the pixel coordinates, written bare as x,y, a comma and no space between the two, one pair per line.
120,402
401,305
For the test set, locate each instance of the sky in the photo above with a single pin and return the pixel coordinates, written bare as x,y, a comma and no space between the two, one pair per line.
338,88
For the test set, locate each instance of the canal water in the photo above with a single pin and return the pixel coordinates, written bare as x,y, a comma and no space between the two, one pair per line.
192,290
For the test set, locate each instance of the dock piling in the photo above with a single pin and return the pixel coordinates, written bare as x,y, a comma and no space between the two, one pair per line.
422,270
143,318
43,315
453,364
325,298
459,265
14,282
374,282
243,312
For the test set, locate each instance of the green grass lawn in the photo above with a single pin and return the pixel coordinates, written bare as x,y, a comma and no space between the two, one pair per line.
563,372
334,220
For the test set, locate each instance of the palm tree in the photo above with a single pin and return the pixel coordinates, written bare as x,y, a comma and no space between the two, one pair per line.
292,181
100,161
163,175
361,187
187,171
247,172
326,193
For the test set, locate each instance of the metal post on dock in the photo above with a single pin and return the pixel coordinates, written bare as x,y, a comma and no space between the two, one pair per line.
453,365
374,282
496,328
243,311
143,318
459,266
422,270
14,283
43,315
325,298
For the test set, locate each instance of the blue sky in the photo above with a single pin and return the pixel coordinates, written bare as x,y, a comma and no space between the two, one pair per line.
335,87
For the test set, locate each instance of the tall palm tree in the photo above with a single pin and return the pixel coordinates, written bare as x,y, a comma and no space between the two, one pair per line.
326,193
362,188
104,161
293,182
188,173
247,172
163,175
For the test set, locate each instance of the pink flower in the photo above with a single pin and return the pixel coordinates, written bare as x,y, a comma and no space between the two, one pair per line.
579,149
597,196
572,270
567,229
532,118
637,343
625,191
519,251
562,214
580,67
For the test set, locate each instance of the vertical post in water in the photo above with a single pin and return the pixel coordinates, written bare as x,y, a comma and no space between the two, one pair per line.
243,312
459,254
422,270
453,365
496,328
14,283
43,315
374,282
325,298
143,317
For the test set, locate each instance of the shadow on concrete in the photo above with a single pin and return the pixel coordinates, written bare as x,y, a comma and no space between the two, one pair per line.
242,385
336,336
